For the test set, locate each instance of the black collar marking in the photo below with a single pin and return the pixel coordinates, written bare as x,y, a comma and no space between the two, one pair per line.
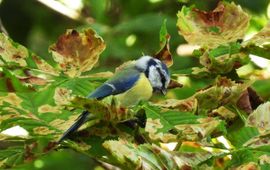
163,79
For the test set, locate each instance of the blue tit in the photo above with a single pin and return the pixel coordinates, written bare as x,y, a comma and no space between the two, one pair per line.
134,82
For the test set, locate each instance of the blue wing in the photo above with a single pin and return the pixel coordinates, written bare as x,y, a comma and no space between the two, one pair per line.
119,83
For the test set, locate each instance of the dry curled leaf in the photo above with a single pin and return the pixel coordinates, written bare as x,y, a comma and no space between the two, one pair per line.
249,100
164,54
174,84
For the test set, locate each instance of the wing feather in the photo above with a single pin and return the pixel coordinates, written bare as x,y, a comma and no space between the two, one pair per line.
119,83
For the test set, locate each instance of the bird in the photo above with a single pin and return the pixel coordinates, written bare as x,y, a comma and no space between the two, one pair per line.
134,82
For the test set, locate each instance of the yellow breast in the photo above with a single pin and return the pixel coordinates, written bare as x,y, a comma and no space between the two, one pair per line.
142,90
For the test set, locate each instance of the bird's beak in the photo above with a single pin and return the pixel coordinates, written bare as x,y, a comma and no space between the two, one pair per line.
164,91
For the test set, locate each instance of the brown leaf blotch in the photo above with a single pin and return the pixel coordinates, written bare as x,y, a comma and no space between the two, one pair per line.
211,18
174,84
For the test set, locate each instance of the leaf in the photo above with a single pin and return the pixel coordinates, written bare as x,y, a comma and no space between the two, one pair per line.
148,156
11,156
260,118
163,34
169,126
259,43
224,91
10,83
259,39
249,100
249,159
143,156
228,21
224,59
186,105
174,84
164,53
16,55
92,105
244,160
77,52
240,135
261,51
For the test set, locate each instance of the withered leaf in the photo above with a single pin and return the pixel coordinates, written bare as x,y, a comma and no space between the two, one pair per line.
174,84
227,23
77,52
249,100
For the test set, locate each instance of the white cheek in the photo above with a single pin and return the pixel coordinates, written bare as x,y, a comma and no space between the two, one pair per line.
154,77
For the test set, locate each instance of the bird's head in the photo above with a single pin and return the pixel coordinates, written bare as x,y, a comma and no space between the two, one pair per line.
156,71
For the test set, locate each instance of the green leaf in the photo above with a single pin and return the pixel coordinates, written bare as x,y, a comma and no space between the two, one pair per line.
230,49
224,59
242,157
164,53
169,126
163,33
238,136
261,51
10,83
11,156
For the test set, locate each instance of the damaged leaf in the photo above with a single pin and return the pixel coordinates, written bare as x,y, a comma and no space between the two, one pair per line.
13,54
260,118
223,91
169,126
223,59
226,23
77,52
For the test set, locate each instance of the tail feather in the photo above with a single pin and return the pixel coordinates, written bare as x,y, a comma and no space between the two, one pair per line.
81,119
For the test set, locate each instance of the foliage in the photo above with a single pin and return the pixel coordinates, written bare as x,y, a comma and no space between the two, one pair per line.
224,125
